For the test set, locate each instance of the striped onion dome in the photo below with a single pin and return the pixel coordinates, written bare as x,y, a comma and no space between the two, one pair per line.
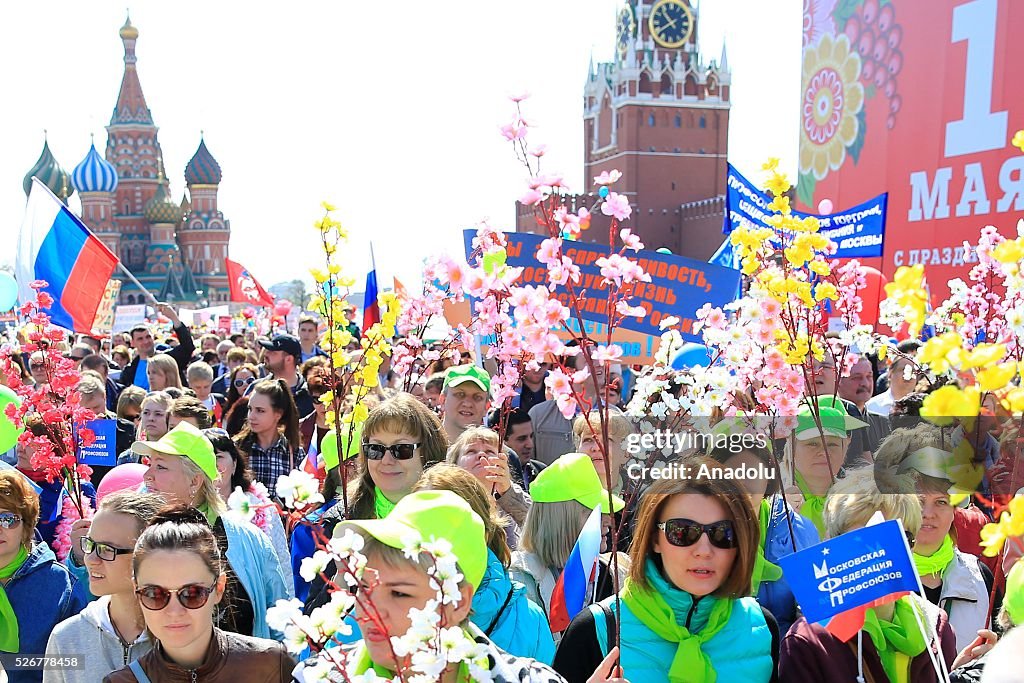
50,173
94,174
161,208
202,169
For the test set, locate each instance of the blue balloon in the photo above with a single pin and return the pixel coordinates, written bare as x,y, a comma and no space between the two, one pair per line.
603,192
692,355
8,291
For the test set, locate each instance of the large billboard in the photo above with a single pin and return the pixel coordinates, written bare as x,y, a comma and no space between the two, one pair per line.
920,99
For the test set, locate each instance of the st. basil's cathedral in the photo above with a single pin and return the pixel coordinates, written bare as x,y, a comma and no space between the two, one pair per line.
175,249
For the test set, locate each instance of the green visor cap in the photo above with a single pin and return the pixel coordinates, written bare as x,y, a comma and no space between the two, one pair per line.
839,422
432,515
573,477
460,374
187,441
349,446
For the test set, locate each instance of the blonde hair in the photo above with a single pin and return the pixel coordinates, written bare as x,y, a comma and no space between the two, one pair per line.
853,499
470,437
551,530
207,492
167,365
619,427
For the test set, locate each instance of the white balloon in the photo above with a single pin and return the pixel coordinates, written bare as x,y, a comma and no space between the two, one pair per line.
825,206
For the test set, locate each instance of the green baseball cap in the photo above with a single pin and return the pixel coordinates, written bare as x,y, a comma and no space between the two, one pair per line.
1014,600
835,421
460,374
433,515
187,441
572,477
329,446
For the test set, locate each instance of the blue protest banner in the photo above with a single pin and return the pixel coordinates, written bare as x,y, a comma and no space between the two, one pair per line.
859,232
103,450
850,570
679,286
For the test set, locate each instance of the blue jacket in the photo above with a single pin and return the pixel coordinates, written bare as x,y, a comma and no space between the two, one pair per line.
304,545
776,596
741,651
521,629
255,564
51,495
43,593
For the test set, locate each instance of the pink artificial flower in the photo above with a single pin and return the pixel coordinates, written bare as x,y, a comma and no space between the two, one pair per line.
39,284
716,319
547,253
539,151
551,180
607,354
616,205
567,405
519,96
627,311
456,274
771,308
531,197
607,177
516,130
630,240
553,313
774,362
558,382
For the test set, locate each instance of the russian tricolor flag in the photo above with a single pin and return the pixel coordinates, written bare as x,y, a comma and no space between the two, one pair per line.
371,309
571,588
55,246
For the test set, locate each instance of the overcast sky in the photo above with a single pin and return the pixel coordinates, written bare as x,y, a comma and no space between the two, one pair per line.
388,109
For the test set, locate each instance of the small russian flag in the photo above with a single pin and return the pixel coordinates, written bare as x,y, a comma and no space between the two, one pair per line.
570,590
371,309
56,246
312,463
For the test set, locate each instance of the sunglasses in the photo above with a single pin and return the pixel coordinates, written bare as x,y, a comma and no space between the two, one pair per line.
37,366
685,532
191,596
399,451
244,382
215,431
9,520
104,551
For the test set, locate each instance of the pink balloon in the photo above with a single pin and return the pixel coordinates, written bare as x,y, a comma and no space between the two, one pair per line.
825,206
121,478
248,312
282,307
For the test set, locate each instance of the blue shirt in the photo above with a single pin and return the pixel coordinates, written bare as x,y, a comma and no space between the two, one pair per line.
141,378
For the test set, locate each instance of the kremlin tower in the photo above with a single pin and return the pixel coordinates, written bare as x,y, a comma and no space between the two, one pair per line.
176,250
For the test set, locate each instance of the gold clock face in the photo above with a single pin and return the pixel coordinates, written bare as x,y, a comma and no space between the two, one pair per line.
671,23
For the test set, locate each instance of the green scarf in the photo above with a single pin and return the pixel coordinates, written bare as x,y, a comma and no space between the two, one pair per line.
813,507
208,512
937,562
8,621
897,641
382,507
363,663
690,665
763,569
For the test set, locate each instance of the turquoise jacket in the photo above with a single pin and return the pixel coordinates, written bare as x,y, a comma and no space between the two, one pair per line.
503,612
254,562
741,651
776,596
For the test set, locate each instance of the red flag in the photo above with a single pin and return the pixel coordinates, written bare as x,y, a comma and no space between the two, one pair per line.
244,288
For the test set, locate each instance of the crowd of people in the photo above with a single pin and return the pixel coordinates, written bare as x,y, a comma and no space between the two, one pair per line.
161,581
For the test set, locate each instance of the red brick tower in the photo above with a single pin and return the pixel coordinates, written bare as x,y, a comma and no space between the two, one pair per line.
205,233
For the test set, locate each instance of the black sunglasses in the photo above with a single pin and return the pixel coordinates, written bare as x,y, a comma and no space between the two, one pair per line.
244,382
191,596
104,551
399,451
685,532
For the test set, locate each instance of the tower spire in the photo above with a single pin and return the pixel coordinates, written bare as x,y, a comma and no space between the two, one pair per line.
131,103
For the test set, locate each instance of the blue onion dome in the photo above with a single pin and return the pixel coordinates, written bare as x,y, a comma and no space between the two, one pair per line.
94,174
50,173
161,208
202,169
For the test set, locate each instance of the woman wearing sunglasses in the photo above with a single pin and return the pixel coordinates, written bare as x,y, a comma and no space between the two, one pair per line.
111,629
183,469
683,614
36,591
180,579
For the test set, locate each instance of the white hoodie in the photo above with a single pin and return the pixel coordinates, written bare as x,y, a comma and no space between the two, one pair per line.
91,636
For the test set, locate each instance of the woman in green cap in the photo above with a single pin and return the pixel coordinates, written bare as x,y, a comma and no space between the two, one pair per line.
564,494
813,457
684,612
395,585
183,469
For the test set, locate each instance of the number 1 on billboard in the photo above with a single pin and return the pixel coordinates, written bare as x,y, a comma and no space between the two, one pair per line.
981,129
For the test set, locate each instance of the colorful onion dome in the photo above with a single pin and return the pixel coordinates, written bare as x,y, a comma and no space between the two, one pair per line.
94,173
128,32
161,208
202,169
50,173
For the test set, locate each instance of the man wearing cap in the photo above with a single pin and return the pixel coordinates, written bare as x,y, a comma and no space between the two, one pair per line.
145,348
281,358
824,384
466,393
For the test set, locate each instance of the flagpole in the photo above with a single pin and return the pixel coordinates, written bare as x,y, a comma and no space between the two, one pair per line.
940,665
39,183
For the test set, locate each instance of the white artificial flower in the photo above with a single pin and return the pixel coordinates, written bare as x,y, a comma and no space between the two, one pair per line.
347,543
429,663
283,612
299,489
311,567
239,502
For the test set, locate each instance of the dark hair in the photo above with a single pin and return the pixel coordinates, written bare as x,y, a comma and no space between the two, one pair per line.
280,395
189,406
517,417
241,476
304,319
138,328
723,454
908,346
210,357
180,527
435,382
94,361
312,364
233,393
237,416
906,412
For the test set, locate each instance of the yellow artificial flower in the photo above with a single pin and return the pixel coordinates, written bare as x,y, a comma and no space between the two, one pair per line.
996,377
330,248
826,290
359,413
948,402
1018,140
907,291
1009,251
820,268
993,536
327,206
319,275
1013,401
777,183
983,355
780,204
773,163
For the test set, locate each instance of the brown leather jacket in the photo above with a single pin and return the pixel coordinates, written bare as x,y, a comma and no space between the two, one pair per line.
231,657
